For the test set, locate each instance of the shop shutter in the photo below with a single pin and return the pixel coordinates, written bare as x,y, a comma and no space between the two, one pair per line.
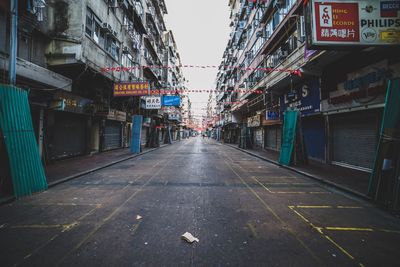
271,138
112,135
278,137
354,142
144,136
69,136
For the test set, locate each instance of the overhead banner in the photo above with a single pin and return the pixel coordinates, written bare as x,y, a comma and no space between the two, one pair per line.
171,101
351,23
131,89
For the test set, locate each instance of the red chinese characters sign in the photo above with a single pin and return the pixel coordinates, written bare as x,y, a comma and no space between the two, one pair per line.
131,89
337,22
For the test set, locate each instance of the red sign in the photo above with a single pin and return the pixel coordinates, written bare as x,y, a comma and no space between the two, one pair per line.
131,89
337,22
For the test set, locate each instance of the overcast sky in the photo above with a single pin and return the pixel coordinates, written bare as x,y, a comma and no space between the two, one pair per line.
201,31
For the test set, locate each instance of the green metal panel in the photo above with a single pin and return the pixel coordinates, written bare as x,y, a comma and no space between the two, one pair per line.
16,123
383,184
289,137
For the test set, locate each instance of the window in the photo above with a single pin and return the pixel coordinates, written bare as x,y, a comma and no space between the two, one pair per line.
112,47
92,27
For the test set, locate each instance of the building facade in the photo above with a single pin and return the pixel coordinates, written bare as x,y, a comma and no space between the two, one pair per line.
268,69
70,55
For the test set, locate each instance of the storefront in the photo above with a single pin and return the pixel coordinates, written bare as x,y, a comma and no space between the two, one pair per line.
112,130
354,111
256,131
67,124
272,130
305,97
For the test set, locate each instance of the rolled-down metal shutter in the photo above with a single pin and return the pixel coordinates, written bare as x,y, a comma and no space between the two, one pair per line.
69,136
354,142
271,138
278,137
112,135
144,137
258,137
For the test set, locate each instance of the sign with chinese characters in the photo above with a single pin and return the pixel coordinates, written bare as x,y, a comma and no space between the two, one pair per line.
171,101
352,22
63,101
254,121
152,102
131,89
305,97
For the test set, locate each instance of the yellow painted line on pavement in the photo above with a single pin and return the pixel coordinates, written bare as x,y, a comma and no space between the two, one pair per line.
277,217
252,230
339,247
284,192
116,210
328,207
389,231
348,229
320,230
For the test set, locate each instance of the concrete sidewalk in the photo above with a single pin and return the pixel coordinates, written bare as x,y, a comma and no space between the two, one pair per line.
68,169
352,181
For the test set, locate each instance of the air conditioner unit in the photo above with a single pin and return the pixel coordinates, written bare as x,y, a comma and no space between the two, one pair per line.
125,50
282,54
106,27
279,3
135,46
125,4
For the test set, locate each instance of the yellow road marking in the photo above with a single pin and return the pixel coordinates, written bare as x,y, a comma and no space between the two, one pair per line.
339,247
116,210
348,229
319,230
283,192
252,230
328,207
268,208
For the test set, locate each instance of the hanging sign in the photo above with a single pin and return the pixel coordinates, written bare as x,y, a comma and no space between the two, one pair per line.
152,102
254,121
171,101
352,22
305,98
131,89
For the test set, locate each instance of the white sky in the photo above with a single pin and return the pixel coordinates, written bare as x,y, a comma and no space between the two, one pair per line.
201,31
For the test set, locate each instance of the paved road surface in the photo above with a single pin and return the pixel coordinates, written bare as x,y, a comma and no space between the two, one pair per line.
246,212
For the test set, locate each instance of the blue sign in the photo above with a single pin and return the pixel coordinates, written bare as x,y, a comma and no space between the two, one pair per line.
305,97
171,101
272,115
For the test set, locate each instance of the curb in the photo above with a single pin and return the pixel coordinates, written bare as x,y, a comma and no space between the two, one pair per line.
7,200
308,175
68,178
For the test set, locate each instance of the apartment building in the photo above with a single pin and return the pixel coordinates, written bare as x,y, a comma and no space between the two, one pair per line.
70,55
268,68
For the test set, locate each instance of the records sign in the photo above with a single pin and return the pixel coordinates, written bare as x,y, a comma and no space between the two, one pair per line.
351,22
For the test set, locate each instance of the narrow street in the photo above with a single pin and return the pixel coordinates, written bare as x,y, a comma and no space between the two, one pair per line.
246,212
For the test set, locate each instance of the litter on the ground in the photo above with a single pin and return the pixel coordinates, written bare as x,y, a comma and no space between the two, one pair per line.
188,237
138,217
